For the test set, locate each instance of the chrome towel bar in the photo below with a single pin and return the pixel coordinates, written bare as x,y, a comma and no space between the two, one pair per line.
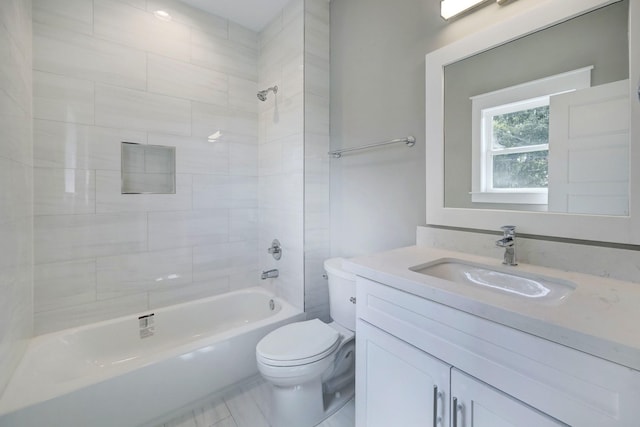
410,141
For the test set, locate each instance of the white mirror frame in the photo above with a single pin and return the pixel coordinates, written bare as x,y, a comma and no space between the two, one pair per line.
619,229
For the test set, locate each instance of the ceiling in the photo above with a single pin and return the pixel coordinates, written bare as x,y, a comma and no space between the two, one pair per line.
253,14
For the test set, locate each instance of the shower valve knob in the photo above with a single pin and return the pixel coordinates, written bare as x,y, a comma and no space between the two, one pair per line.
275,249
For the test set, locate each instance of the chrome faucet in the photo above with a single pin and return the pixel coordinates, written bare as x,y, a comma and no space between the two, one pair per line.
270,274
508,242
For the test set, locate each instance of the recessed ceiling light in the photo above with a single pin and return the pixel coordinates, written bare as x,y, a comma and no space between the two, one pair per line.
162,15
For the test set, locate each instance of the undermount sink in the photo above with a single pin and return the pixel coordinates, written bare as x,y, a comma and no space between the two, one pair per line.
506,280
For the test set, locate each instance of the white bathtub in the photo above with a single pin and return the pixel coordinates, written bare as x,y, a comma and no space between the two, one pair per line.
105,374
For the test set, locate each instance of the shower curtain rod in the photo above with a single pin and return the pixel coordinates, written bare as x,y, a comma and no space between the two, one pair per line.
410,141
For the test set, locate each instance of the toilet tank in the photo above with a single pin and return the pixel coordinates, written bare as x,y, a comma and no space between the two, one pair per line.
342,293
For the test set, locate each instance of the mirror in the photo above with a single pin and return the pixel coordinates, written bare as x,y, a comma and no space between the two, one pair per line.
584,197
524,160
148,169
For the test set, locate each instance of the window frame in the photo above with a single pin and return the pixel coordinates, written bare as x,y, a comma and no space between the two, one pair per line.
536,92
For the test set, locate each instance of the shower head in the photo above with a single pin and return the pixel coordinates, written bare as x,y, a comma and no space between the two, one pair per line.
262,95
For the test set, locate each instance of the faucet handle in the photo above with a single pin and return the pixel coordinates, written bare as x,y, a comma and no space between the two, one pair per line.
509,230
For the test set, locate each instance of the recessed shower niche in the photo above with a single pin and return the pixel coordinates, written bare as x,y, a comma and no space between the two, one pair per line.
148,169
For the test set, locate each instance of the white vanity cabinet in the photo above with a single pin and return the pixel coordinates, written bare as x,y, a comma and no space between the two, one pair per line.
476,404
389,370
421,363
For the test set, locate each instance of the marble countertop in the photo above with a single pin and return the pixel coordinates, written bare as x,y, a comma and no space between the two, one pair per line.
600,317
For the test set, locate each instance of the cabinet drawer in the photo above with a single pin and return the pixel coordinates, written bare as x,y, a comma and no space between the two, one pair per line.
571,386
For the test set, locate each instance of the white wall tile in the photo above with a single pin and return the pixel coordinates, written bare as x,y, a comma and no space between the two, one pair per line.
284,121
140,29
293,11
317,214
141,272
62,98
16,186
243,159
223,55
190,292
64,191
282,192
15,16
133,109
317,30
140,4
76,15
317,113
224,260
196,154
64,284
245,36
16,82
74,146
109,197
68,237
73,54
159,105
193,228
243,224
211,192
272,29
194,18
243,94
270,159
246,278
15,123
63,318
183,80
235,125
16,199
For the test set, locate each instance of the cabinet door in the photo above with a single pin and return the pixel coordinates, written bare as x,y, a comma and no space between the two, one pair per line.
397,384
477,404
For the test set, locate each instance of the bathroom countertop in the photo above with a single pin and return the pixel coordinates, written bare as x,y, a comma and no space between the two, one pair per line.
600,317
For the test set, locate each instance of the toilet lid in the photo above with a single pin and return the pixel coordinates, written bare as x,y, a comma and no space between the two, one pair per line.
304,342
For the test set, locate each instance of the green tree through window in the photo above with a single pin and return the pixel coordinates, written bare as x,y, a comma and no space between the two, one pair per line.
521,129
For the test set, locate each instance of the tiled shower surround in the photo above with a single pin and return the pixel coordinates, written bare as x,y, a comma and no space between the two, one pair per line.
16,189
107,71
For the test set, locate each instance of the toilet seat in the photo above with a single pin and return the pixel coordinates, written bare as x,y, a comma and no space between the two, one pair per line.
298,343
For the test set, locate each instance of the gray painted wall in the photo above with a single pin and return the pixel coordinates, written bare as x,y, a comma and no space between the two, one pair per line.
377,93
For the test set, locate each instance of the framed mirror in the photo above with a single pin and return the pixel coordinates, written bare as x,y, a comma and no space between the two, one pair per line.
527,125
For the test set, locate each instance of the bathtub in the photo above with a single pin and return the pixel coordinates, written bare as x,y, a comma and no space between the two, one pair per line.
134,369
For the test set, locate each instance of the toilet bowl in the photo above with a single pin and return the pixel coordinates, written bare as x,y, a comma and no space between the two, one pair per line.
310,365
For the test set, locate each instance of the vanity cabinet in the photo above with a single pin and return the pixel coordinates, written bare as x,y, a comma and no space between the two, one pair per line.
476,404
389,370
405,386
421,363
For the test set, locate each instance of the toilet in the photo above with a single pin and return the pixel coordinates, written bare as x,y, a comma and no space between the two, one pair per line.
310,365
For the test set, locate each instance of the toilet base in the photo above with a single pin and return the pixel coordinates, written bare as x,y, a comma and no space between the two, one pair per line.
305,405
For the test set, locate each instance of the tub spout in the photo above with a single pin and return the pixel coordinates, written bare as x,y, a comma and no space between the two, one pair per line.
270,274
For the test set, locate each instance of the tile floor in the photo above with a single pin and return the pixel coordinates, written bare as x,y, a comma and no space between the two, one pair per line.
248,406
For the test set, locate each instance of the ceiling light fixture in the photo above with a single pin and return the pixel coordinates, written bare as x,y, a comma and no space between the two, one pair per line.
162,15
451,8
